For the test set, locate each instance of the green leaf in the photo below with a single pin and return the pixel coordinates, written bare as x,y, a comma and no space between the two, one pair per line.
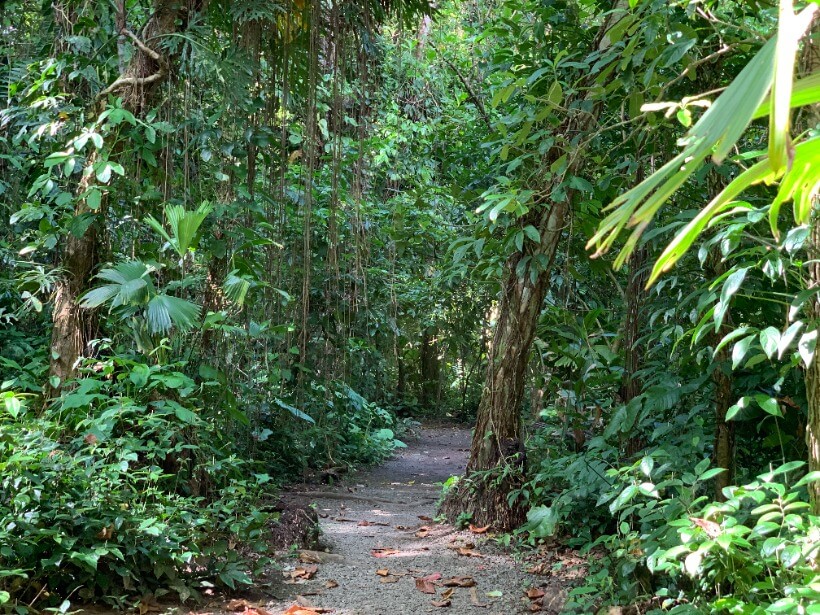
542,522
532,233
768,405
294,411
164,312
787,337
807,346
740,349
139,375
742,404
730,287
769,340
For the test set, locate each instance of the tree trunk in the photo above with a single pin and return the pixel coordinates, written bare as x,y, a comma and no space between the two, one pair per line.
430,368
635,295
496,454
809,62
722,379
496,445
724,430
71,330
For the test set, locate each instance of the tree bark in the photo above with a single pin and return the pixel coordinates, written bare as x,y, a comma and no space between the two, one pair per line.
71,330
430,367
809,62
635,295
496,445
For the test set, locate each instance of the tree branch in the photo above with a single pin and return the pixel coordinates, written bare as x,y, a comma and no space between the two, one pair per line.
125,81
470,91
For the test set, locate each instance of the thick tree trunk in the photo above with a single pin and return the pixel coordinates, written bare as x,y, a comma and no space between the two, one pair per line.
72,328
496,455
497,445
71,331
809,62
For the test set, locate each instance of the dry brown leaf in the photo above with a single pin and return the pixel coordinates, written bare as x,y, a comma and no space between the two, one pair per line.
422,532
447,594
535,607
711,528
468,552
475,601
309,557
425,587
331,584
425,518
534,593
402,528
297,609
441,603
384,552
149,604
478,530
389,579
459,582
304,573
238,605
382,572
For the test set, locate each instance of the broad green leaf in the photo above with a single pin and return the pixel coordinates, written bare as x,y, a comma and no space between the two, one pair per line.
740,349
787,337
730,287
807,346
164,311
769,340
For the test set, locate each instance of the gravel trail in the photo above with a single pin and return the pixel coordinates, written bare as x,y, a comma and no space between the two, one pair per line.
384,555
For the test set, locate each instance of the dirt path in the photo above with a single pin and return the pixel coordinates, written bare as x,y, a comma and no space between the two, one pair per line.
385,552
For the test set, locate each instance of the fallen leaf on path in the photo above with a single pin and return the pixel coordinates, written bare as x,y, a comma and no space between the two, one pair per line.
346,520
425,518
447,594
310,557
384,552
423,532
245,607
298,609
403,528
534,593
382,572
238,605
494,594
305,573
459,582
389,579
149,604
425,586
466,552
535,607
441,603
475,601
331,584
478,530
366,523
